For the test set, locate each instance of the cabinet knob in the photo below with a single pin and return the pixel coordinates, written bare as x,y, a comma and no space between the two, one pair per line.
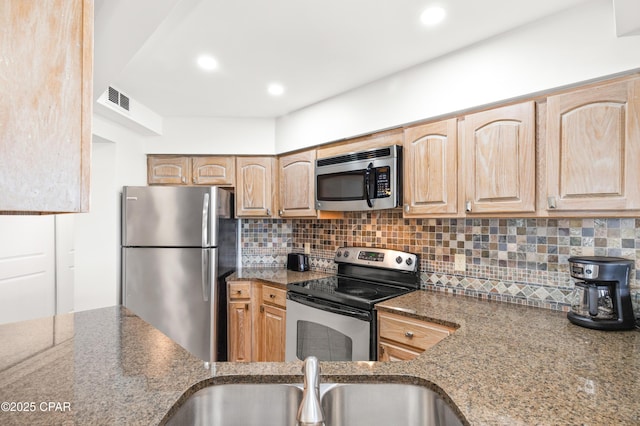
239,291
184,179
381,349
272,296
407,208
467,206
551,202
268,212
280,212
246,306
409,334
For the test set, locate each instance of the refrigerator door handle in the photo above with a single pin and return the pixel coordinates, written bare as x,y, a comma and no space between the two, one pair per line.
206,284
205,220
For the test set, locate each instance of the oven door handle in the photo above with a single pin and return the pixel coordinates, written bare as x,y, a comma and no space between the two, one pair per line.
334,309
367,180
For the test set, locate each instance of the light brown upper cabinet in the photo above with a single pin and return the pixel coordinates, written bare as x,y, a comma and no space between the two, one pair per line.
498,160
208,170
185,170
297,189
255,189
45,105
431,169
168,170
593,148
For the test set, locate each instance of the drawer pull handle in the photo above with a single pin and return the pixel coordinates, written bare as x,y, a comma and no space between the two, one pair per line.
272,296
408,334
239,291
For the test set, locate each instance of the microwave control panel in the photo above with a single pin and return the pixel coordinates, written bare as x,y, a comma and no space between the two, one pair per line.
383,182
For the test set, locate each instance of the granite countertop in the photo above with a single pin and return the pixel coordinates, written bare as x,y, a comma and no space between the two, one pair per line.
505,364
275,275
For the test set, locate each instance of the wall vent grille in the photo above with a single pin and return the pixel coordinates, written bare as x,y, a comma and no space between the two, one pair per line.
118,98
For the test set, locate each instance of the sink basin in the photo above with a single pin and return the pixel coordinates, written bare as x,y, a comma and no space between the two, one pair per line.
352,404
372,404
240,404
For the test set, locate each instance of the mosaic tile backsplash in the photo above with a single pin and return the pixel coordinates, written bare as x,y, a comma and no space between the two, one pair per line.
521,261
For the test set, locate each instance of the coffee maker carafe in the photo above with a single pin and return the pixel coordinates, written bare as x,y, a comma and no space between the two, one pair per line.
601,298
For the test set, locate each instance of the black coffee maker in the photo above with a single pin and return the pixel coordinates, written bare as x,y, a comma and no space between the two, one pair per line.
601,298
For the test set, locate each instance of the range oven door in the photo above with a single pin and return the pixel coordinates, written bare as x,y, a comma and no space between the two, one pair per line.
328,331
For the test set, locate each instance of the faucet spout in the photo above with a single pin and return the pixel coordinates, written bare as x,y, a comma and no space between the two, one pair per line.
310,413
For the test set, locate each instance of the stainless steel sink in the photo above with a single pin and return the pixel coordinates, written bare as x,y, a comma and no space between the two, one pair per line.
373,404
240,404
351,404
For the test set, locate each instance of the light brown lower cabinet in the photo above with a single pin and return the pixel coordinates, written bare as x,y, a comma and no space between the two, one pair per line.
402,338
256,322
240,319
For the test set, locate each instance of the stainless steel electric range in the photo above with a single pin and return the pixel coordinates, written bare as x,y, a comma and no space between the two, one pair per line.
333,318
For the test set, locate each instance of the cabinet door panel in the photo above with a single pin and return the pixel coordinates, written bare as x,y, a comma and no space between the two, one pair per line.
297,184
499,160
213,170
593,140
168,170
430,176
46,84
239,331
274,334
254,186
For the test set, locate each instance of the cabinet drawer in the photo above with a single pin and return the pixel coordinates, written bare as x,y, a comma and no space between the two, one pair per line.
411,332
274,296
239,290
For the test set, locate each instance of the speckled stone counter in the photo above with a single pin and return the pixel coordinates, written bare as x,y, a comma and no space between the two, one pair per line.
505,364
274,275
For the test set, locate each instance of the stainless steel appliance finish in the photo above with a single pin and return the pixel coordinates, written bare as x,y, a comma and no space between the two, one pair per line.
601,298
333,318
178,246
351,404
366,180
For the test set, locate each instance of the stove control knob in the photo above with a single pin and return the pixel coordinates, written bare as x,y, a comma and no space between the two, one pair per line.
398,260
339,254
346,254
409,261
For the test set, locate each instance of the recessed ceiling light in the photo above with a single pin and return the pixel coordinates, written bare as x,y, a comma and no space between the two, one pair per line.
207,62
433,15
275,89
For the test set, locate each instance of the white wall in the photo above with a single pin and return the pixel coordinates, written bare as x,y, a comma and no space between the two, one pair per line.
211,135
577,45
118,159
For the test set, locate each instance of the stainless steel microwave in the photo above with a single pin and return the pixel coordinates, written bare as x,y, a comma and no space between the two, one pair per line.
365,180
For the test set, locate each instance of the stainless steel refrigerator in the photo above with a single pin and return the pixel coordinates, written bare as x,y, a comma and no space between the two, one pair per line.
178,246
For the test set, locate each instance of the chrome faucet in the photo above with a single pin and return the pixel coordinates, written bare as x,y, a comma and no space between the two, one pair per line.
310,412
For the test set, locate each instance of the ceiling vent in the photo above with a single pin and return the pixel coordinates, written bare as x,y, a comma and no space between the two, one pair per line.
118,98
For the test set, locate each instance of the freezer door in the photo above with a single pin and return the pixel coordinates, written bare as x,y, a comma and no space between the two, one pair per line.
175,290
165,216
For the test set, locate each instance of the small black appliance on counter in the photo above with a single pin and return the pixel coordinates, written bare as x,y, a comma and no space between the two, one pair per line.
297,262
601,298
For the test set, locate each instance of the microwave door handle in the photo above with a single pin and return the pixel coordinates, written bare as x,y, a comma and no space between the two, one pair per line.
367,177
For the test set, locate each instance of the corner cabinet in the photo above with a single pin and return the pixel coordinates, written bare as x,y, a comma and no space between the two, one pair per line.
593,148
255,189
45,105
431,169
401,338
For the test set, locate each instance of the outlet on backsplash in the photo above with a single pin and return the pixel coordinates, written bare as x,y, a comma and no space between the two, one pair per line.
460,262
307,248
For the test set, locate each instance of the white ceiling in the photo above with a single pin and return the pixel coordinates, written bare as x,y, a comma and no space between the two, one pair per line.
315,48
